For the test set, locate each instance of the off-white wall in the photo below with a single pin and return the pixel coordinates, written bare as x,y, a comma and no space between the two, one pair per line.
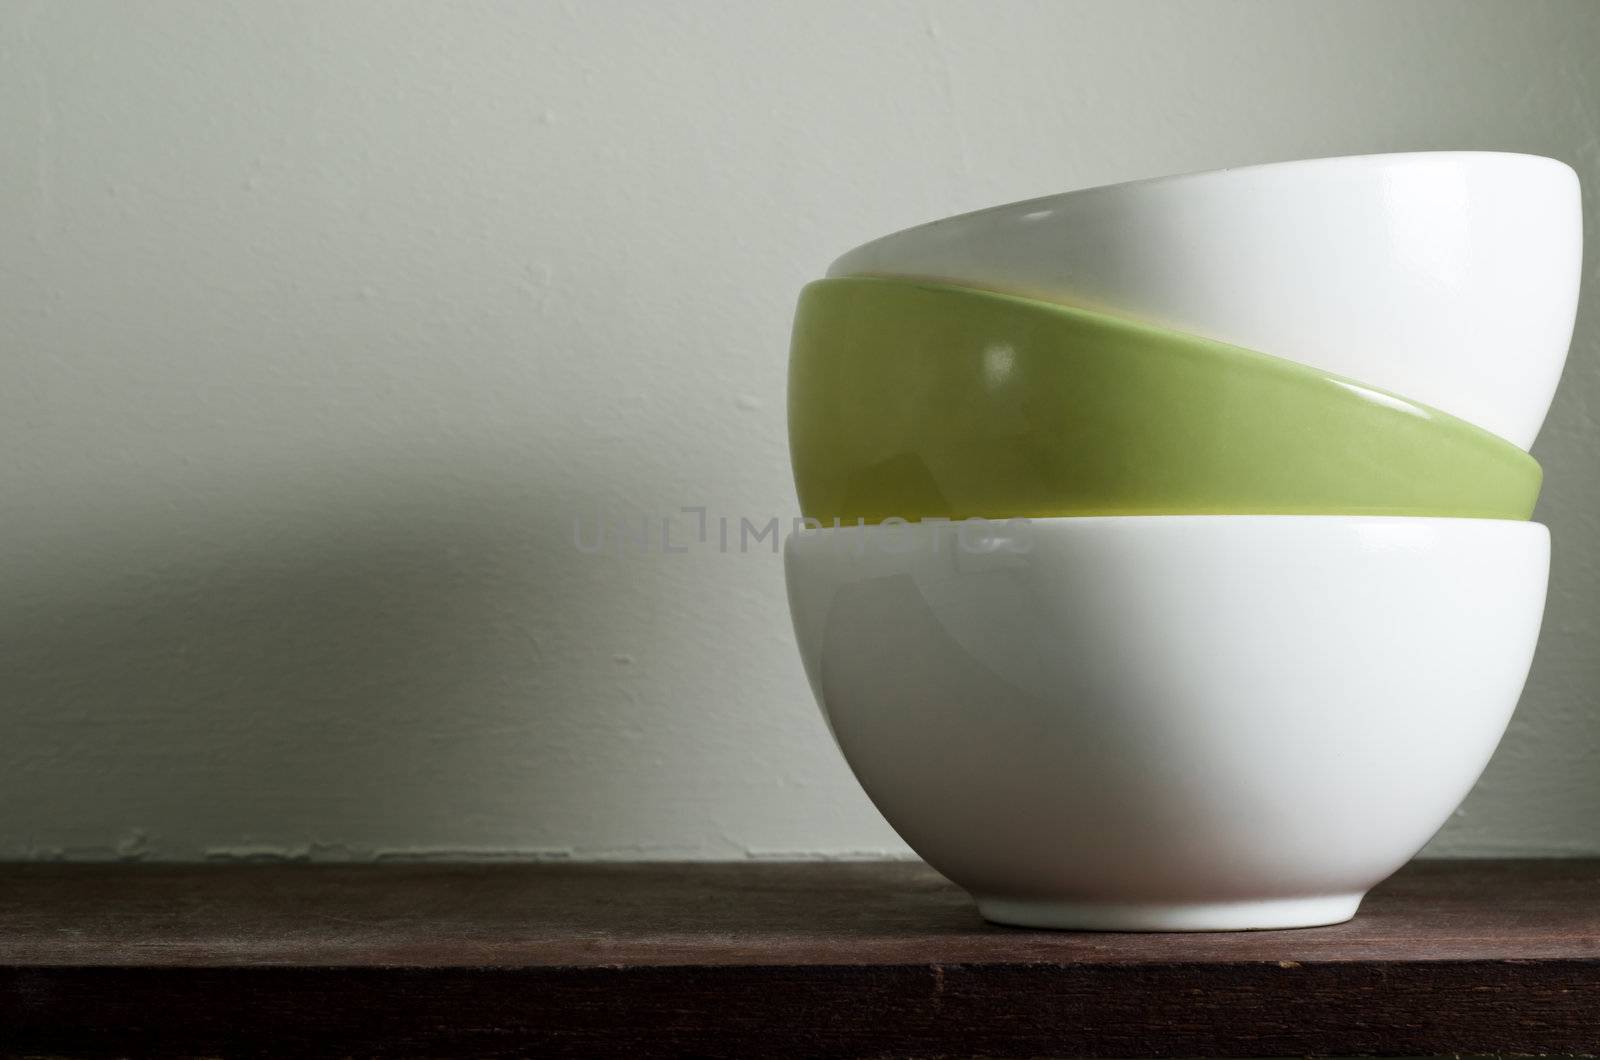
322,322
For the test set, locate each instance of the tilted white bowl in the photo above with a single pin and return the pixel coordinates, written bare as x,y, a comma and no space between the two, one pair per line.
1448,277
1175,722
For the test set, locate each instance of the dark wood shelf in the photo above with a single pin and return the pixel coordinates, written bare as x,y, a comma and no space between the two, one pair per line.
765,960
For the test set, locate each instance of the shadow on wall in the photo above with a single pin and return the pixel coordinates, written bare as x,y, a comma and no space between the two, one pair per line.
341,653
1541,794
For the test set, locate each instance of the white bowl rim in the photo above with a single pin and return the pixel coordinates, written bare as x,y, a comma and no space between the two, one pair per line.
1047,201
1201,518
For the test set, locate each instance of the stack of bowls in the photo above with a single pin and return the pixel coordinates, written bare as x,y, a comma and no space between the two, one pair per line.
1175,570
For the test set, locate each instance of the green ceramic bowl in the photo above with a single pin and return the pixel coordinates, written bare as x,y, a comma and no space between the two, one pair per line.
920,401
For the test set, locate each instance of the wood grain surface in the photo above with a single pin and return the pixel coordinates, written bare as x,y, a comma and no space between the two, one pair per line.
866,959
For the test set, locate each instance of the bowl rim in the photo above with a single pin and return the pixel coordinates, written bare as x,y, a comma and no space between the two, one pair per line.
1176,523
1374,160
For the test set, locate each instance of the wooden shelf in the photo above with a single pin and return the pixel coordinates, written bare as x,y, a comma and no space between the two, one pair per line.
765,960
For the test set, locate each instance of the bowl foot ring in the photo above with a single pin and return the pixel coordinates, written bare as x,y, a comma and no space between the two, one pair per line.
1259,914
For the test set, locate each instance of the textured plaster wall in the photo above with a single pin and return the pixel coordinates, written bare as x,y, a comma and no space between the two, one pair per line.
322,322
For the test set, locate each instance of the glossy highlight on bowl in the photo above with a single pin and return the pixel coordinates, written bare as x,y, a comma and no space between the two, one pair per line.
917,400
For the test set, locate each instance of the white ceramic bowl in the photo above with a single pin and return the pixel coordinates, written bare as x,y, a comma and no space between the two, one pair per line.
1169,723
1450,278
